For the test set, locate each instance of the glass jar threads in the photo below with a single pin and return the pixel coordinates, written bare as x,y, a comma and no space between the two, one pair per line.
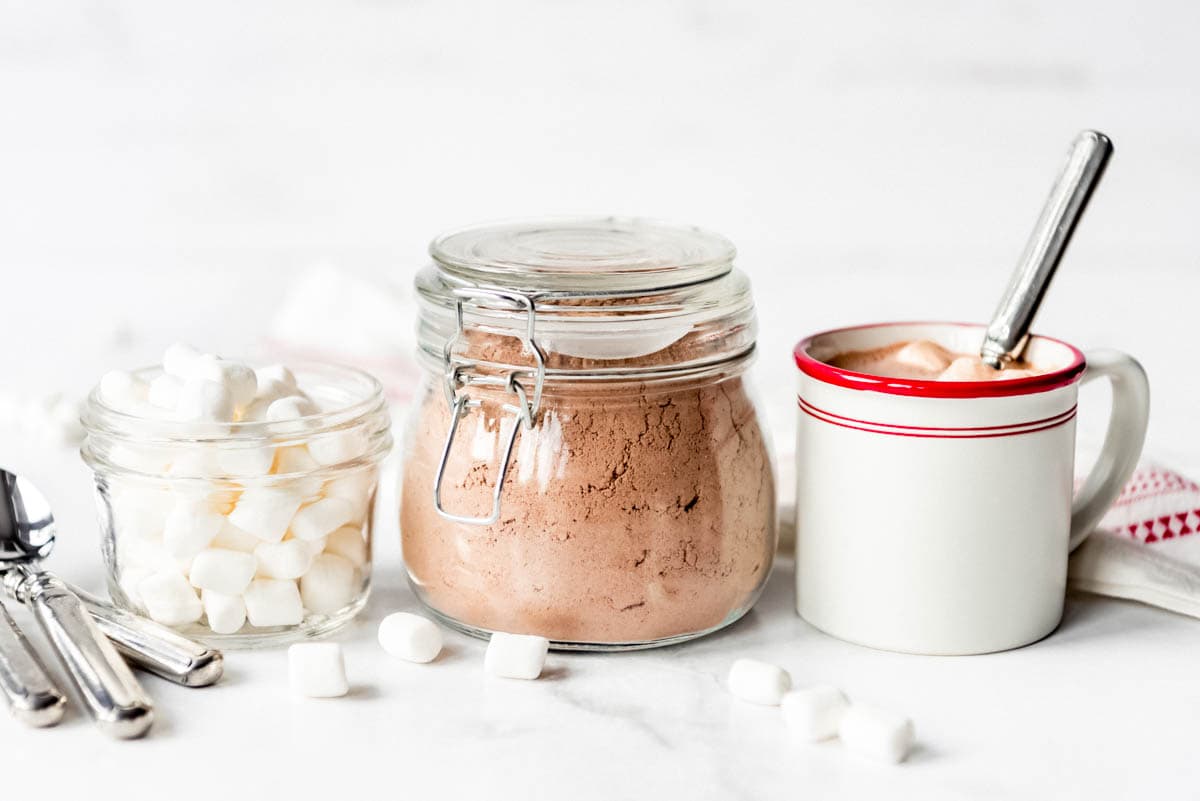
585,461
246,531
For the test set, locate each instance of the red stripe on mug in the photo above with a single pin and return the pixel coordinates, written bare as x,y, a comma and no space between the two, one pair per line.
924,432
1044,420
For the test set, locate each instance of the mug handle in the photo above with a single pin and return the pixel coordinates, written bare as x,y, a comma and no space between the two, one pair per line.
1122,443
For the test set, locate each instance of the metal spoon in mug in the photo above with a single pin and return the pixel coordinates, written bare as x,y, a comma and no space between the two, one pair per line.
1009,330
105,683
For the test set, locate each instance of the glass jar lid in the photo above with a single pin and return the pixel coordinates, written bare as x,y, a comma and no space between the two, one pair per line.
606,254
593,296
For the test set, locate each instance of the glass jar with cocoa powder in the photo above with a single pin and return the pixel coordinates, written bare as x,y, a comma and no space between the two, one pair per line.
585,461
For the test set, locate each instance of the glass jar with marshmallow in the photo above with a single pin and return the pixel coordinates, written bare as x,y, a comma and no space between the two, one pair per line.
236,503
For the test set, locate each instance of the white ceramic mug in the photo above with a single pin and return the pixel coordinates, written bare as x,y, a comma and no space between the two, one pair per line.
936,517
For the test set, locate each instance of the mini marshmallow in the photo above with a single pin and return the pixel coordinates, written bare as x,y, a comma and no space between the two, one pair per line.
189,528
337,447
204,401
292,407
966,368
515,656
164,391
122,390
238,378
293,459
196,461
321,518
180,360
146,554
140,510
169,599
219,570
411,637
924,355
271,602
330,583
317,670
226,613
758,682
265,512
876,733
357,488
232,538
289,559
141,458
348,543
814,713
245,462
274,381
131,577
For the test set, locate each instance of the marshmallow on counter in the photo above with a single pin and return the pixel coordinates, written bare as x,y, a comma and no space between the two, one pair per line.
169,598
411,637
814,713
330,584
317,670
321,518
876,733
273,602
515,656
190,527
266,512
348,542
222,571
289,559
759,682
226,614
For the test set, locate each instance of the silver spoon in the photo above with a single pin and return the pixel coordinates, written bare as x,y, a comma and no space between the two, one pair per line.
1009,330
31,695
105,683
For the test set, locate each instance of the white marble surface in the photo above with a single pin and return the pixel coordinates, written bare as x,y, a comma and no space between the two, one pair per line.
166,169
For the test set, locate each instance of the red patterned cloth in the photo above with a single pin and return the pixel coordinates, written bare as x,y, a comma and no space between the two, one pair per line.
1148,545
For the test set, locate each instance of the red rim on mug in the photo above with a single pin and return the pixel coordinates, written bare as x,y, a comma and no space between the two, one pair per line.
1043,382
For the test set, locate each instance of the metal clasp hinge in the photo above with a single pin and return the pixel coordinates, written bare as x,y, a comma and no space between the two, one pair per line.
459,374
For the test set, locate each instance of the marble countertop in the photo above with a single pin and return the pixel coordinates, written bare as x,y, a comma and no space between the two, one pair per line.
169,170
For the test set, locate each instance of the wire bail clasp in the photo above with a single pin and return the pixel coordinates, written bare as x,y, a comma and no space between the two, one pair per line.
460,373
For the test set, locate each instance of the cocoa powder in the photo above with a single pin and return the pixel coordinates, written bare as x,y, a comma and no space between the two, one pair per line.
629,514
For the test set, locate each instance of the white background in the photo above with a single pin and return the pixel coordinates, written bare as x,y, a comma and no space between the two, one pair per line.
166,169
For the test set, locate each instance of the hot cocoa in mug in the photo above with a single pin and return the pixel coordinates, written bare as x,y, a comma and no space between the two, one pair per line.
935,502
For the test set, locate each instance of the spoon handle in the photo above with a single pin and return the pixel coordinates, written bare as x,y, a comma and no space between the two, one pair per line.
1005,338
153,647
31,694
106,685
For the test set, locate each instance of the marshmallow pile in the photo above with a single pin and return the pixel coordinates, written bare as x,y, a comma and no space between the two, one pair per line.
233,528
823,711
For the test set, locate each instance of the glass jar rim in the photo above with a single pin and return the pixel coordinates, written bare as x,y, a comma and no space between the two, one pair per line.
99,418
607,255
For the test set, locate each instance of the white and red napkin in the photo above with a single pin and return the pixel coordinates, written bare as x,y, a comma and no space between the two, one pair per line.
1147,548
